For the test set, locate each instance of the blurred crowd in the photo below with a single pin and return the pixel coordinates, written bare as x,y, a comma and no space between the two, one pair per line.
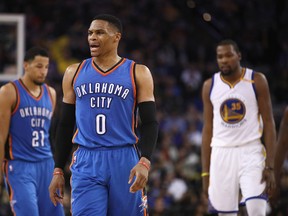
176,40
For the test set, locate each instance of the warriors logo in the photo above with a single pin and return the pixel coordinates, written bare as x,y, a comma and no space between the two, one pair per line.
232,110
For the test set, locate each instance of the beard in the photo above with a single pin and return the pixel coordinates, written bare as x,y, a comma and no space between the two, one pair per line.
227,71
39,83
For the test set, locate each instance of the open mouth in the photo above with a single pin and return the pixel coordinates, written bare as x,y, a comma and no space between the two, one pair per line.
94,47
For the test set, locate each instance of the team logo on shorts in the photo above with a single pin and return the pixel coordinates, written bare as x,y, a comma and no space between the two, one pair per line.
232,110
144,204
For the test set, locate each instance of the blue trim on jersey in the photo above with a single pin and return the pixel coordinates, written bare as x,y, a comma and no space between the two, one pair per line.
29,125
253,83
212,84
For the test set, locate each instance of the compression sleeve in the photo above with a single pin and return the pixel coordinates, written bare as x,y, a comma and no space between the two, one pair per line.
64,134
148,128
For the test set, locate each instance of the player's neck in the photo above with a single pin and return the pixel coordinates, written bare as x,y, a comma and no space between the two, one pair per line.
106,62
235,76
34,89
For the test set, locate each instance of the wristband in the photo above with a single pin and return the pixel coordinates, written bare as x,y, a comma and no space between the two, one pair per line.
205,174
144,164
58,173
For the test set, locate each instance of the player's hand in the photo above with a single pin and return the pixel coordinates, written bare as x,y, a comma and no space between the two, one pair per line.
56,188
141,173
269,178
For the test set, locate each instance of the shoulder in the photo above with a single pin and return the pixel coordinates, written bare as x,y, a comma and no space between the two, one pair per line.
52,91
206,89
70,72
7,90
260,81
140,68
8,93
71,69
207,83
259,77
142,72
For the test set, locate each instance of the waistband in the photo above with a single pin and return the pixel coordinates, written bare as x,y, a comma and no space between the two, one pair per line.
235,145
105,148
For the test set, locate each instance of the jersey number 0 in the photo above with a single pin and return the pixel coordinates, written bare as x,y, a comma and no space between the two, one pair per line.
100,124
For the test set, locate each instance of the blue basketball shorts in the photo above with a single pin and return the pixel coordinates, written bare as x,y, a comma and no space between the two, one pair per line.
99,182
27,184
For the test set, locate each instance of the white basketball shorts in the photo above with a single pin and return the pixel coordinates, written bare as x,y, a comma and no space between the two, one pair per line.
235,170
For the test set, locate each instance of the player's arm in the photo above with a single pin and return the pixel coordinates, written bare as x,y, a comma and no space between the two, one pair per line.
206,134
265,109
147,110
53,96
53,121
7,103
63,141
282,146
149,125
67,119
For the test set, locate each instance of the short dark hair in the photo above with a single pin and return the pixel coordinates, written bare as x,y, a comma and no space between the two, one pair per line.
229,42
110,19
35,51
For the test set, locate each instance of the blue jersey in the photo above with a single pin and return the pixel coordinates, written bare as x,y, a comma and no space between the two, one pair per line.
28,137
105,105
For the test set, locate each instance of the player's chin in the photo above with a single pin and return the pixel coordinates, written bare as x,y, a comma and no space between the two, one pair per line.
94,51
225,72
94,54
39,81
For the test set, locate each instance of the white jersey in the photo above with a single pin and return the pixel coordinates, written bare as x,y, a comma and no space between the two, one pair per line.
236,118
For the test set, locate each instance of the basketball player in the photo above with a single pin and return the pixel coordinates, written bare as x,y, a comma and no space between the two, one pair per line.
26,109
103,94
236,102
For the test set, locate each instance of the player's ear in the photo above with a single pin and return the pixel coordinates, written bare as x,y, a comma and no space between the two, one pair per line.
118,36
25,65
239,55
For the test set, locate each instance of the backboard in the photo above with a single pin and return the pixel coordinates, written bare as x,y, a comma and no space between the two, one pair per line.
12,38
